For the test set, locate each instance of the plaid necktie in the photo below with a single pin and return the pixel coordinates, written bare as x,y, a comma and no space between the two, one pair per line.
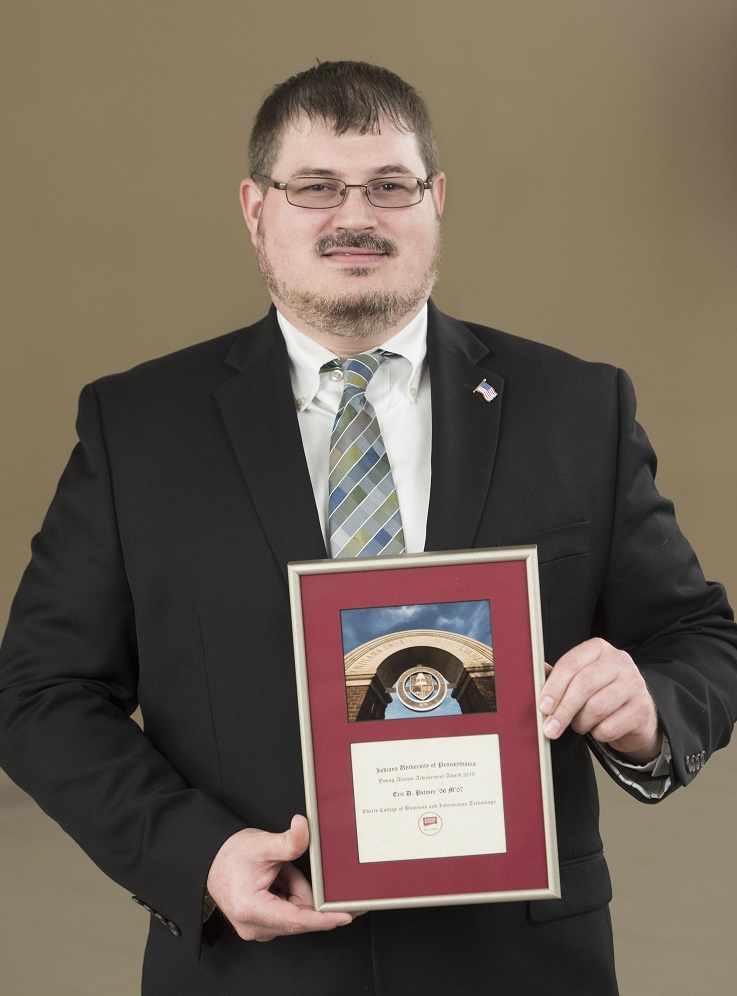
364,514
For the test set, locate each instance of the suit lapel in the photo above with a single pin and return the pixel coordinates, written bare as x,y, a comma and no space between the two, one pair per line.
257,407
464,432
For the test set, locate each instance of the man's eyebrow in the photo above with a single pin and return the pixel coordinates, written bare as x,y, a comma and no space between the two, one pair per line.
315,171
393,169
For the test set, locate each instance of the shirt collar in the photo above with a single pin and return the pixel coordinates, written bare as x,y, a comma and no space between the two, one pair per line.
306,356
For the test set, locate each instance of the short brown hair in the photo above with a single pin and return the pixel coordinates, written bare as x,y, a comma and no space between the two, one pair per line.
344,95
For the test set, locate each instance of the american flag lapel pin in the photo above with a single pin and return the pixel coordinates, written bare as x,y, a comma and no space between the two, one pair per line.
486,391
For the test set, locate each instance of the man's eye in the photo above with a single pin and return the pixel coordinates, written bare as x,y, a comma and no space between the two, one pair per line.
325,186
392,186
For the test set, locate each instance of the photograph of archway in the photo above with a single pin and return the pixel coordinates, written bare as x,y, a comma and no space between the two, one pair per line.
415,661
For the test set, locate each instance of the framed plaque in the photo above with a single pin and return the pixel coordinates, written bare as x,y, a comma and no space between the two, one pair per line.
427,774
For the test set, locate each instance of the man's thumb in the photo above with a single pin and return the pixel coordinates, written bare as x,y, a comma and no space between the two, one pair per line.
296,838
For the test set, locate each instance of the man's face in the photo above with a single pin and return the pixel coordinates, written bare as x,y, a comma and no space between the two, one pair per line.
356,270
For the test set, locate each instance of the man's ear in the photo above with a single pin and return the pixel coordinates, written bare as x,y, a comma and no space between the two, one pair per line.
252,201
438,192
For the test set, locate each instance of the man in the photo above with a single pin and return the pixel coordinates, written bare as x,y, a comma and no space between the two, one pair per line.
159,578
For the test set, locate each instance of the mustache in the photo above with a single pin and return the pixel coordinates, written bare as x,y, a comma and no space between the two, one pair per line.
356,240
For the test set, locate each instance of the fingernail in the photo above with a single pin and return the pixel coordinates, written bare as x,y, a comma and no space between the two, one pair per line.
551,728
547,704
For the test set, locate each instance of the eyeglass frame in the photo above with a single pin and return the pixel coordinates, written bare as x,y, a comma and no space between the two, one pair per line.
279,185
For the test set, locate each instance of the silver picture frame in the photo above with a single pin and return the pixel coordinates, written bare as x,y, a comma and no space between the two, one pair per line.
356,847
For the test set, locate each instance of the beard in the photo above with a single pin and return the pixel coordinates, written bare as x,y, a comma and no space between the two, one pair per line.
355,315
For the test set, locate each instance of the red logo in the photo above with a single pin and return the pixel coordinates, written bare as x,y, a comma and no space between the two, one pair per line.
430,824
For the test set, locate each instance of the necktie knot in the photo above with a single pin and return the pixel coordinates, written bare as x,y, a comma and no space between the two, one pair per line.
358,371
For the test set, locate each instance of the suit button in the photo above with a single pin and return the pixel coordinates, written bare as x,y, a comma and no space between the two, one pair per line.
173,928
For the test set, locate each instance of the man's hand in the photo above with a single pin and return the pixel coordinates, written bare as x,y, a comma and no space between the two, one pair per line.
597,689
258,889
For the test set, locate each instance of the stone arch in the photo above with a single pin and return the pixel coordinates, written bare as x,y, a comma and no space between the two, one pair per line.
371,670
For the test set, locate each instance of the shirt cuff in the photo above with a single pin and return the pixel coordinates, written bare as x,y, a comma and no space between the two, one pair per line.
208,907
651,780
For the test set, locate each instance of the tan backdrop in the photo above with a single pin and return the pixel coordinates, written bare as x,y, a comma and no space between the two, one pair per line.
591,150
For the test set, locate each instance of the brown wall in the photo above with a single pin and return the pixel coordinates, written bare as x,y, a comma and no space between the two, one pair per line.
591,151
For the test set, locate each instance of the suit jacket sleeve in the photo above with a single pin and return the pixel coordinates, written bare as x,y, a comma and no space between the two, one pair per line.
657,605
68,677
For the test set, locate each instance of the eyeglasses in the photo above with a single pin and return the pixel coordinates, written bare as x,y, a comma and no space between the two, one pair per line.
320,192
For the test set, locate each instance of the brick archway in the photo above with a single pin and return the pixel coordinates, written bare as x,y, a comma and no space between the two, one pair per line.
371,670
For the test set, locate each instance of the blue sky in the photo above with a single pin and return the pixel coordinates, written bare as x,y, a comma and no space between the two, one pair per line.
471,619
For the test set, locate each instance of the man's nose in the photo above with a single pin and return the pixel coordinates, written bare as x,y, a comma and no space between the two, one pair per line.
356,211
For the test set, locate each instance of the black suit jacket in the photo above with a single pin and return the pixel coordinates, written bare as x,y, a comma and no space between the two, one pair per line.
159,577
